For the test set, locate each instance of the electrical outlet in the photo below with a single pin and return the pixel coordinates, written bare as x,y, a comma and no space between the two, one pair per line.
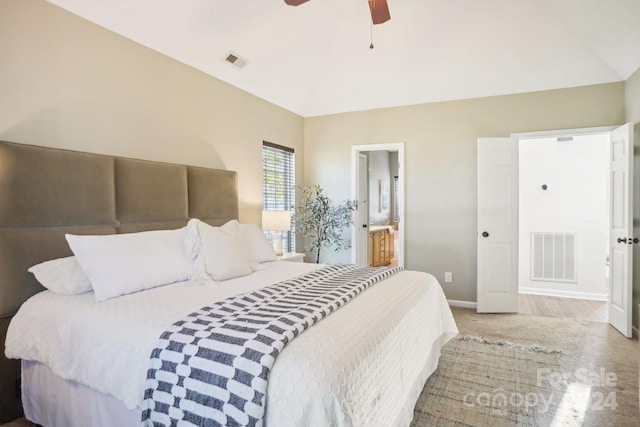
448,277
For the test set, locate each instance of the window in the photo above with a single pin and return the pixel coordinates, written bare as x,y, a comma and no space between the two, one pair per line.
278,185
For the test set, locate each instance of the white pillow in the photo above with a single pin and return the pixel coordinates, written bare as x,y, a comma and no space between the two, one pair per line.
62,276
222,252
119,264
257,246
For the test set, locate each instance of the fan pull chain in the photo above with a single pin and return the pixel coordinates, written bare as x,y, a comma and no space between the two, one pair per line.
371,45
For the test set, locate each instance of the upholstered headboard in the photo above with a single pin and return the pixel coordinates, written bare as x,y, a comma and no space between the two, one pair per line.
45,193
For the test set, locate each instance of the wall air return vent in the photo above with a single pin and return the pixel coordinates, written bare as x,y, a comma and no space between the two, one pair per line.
553,257
236,60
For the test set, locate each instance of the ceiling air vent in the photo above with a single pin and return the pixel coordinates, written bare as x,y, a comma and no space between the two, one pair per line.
235,60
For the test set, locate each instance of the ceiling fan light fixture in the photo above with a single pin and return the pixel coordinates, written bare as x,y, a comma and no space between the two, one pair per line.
378,8
379,11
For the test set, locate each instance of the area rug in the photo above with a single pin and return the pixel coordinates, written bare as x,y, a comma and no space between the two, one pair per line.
480,382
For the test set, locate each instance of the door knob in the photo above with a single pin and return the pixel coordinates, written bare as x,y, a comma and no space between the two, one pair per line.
485,234
364,225
629,240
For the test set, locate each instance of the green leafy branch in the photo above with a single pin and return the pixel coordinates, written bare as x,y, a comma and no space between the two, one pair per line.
322,222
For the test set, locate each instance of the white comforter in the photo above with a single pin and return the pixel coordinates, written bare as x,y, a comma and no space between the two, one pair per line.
363,365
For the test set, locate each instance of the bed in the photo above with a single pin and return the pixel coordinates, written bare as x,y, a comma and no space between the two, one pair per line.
84,362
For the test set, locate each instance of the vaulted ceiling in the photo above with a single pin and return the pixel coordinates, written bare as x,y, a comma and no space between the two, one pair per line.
315,59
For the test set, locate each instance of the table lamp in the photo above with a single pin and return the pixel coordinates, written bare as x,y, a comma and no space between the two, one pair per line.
276,222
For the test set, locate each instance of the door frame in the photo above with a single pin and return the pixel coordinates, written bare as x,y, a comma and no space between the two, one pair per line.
362,215
602,130
568,132
563,132
392,146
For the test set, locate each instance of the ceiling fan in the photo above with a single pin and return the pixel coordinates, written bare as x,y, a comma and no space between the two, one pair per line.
379,9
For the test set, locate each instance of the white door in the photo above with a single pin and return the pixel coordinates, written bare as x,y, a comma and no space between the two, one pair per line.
620,233
362,228
497,225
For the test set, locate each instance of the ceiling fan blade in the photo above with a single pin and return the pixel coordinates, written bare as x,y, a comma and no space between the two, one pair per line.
379,11
295,2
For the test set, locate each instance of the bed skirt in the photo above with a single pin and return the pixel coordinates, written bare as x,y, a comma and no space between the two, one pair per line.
52,401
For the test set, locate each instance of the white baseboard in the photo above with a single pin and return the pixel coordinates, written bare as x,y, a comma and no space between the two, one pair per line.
564,294
463,304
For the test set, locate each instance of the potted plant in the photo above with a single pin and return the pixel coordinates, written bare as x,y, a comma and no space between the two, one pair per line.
320,221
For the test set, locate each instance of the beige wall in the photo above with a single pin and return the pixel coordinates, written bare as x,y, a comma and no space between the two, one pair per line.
440,159
67,83
632,97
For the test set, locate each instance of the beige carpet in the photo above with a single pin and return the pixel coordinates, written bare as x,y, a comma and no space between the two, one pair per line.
591,346
481,382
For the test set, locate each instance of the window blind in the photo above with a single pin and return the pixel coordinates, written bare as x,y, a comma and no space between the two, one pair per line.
278,185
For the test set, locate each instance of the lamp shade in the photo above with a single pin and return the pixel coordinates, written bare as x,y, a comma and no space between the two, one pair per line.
276,220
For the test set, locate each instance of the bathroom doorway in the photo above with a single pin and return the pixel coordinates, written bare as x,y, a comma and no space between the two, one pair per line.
378,185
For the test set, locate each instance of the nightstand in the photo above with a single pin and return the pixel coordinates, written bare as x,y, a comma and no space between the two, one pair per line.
291,256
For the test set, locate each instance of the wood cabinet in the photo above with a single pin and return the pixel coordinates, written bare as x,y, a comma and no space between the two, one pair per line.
380,247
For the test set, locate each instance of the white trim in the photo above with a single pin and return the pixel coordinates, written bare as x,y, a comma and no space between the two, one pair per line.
565,294
463,304
563,132
391,146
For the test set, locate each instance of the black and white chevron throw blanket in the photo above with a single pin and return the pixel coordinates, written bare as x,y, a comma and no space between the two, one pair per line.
211,368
